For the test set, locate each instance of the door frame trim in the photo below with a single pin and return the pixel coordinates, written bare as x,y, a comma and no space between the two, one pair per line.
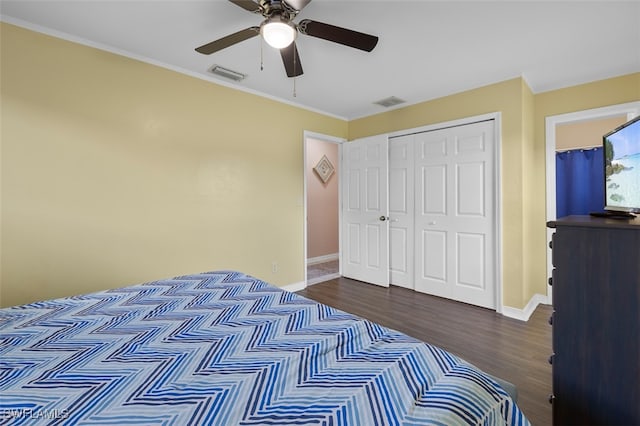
497,119
325,138
632,109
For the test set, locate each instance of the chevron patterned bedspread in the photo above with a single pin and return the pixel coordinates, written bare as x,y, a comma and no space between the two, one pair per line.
223,348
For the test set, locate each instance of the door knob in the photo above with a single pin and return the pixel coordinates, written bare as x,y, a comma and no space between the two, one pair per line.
383,218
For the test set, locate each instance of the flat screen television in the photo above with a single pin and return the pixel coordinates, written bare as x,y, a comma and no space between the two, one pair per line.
622,169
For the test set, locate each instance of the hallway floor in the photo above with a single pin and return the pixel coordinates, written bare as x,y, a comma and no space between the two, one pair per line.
321,272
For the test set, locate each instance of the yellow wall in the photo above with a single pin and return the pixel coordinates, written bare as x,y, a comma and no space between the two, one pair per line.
116,172
513,99
597,94
522,159
534,274
582,97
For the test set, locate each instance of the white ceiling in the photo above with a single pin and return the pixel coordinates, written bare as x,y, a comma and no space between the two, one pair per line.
427,49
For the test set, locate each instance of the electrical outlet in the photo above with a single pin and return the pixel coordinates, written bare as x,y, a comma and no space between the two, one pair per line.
274,267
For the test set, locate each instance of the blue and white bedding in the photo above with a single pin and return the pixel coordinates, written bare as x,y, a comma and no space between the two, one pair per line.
224,348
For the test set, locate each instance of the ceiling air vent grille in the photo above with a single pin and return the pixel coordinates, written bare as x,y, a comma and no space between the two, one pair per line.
390,101
227,73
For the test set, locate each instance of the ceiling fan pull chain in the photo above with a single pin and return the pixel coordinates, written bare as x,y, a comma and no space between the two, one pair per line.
294,75
261,54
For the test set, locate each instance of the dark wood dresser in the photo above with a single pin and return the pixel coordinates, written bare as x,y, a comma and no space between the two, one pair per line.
596,321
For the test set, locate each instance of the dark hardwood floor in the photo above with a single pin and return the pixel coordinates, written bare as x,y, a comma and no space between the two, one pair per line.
514,350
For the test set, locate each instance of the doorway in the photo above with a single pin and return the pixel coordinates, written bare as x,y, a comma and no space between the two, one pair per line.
552,123
322,207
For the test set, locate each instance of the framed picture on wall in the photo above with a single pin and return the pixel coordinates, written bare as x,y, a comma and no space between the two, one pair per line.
324,169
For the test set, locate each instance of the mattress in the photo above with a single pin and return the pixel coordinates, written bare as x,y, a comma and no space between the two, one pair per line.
224,348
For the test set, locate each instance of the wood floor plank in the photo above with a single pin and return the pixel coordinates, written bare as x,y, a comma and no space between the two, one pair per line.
514,350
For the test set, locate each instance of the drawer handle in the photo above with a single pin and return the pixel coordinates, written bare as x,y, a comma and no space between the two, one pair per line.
552,397
551,359
551,281
551,319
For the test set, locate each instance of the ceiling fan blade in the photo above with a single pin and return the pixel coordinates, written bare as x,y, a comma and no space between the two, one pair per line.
297,4
230,40
340,35
249,5
291,60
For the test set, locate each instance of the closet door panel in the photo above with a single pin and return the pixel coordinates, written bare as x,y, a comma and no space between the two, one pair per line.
401,211
455,213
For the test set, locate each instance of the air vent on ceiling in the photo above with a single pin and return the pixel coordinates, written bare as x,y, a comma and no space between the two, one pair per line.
227,73
390,101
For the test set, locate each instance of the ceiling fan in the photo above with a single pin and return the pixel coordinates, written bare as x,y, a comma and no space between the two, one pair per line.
279,31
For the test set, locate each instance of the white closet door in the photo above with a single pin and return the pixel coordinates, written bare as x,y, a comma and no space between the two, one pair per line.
454,214
365,232
401,207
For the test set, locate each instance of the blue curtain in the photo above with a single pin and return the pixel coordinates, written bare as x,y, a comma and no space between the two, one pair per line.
579,182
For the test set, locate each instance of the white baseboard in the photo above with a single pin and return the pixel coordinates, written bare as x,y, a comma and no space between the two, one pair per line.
519,314
294,287
322,259
525,313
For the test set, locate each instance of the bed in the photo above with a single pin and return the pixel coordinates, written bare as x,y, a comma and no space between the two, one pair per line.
224,348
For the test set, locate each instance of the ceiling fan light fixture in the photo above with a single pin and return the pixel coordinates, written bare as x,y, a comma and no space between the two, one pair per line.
278,32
